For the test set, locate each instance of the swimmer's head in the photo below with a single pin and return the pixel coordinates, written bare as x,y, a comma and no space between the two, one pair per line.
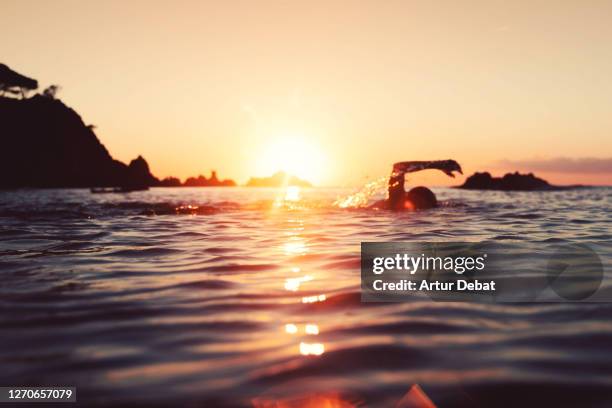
421,198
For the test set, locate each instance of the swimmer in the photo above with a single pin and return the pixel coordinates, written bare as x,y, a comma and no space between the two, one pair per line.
418,198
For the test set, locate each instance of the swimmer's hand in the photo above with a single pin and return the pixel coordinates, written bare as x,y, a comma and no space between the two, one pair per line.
448,166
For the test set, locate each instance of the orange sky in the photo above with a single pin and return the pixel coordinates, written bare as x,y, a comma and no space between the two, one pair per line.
343,88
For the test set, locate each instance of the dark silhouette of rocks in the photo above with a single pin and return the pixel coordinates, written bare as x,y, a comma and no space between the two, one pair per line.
213,181
279,179
509,182
199,181
170,182
138,175
46,144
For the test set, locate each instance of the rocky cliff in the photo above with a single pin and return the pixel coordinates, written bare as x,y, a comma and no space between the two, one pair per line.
44,143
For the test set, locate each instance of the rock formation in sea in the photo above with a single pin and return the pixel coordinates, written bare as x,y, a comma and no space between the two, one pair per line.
278,179
170,182
213,181
138,174
509,182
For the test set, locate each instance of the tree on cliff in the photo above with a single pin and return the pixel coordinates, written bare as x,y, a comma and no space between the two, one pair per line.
51,91
14,83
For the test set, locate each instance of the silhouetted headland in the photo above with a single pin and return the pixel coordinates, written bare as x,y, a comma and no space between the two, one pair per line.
278,179
509,182
46,144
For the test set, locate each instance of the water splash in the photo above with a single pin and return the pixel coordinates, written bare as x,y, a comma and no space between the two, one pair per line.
363,196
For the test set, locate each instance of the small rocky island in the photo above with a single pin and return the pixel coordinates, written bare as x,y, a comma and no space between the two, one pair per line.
200,181
278,179
509,182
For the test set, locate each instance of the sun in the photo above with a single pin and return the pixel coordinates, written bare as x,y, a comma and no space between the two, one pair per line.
294,154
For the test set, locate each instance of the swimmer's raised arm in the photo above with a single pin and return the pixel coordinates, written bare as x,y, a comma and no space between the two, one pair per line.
447,166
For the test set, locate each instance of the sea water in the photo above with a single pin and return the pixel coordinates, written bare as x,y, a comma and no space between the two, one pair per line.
247,297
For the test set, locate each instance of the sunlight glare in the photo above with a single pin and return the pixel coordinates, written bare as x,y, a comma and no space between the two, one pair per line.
294,154
314,299
314,349
293,284
292,193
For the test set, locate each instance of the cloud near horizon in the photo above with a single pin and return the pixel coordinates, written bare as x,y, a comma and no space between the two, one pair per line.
586,165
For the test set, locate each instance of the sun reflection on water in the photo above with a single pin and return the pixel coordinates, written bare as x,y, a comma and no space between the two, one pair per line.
293,193
293,247
289,197
325,400
312,349
296,246
293,284
314,299
291,328
309,329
